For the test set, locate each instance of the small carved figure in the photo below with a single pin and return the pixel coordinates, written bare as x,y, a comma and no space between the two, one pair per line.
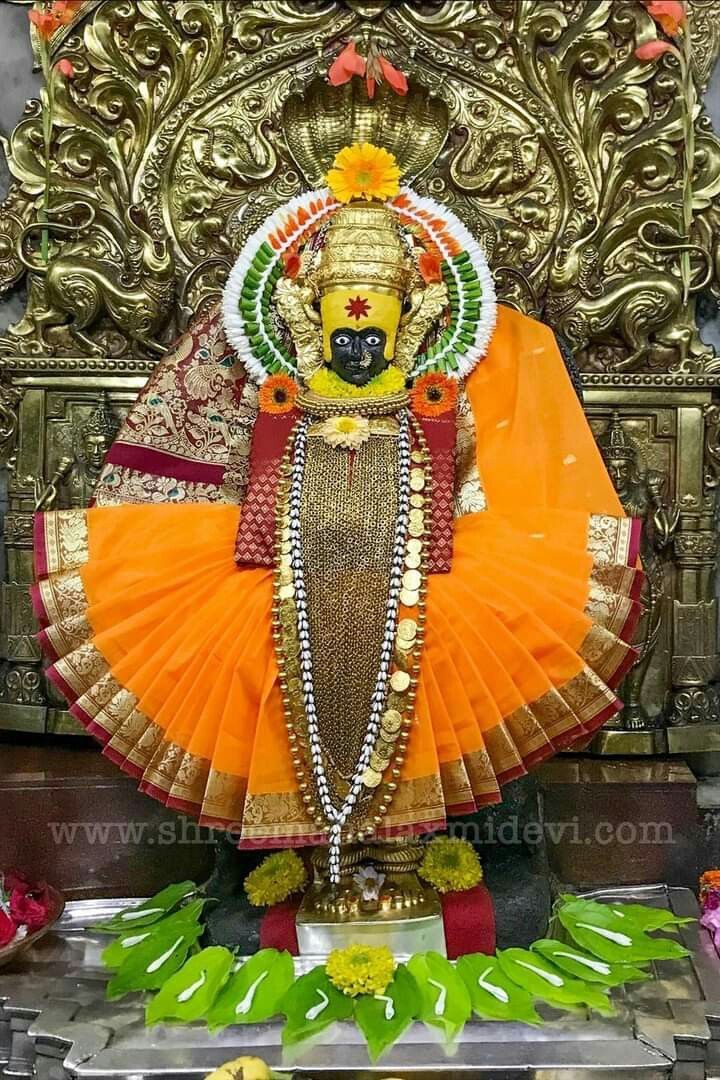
238,153
79,474
87,280
498,165
642,492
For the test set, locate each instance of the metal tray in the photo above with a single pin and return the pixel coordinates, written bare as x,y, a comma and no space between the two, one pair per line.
53,1011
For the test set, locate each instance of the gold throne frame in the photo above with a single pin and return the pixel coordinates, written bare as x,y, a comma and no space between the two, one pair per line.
188,122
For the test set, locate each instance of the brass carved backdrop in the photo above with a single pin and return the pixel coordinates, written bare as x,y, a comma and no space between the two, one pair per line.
188,122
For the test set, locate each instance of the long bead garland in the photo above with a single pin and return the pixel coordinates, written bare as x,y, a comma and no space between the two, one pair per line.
338,816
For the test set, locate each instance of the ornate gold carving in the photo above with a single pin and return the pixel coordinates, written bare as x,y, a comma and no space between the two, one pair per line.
321,120
426,304
294,301
642,493
542,154
533,121
10,398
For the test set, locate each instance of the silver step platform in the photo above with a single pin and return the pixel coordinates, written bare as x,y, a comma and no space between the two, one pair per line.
55,1023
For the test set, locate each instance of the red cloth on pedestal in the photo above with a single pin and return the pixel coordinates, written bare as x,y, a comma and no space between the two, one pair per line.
468,917
277,929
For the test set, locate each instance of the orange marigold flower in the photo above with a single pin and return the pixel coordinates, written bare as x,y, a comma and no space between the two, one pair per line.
291,264
430,266
669,14
278,394
65,67
433,394
652,49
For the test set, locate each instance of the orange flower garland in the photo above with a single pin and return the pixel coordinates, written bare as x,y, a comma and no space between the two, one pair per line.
433,394
277,394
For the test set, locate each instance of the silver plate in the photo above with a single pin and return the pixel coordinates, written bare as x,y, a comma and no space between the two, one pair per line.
54,1007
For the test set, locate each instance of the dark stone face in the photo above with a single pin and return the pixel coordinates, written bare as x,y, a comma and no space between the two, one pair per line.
357,356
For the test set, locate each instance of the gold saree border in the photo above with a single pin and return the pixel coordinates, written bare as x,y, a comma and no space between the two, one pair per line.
188,782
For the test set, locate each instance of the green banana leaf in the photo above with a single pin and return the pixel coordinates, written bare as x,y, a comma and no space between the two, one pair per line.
544,980
584,966
188,994
598,929
255,990
117,952
383,1018
493,996
312,1004
149,911
444,998
153,961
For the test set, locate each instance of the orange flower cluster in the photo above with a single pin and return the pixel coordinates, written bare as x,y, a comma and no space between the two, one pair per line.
671,17
277,394
708,881
433,394
47,18
443,233
376,69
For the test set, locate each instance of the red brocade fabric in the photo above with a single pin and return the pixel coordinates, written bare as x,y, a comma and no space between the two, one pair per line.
440,434
468,918
255,542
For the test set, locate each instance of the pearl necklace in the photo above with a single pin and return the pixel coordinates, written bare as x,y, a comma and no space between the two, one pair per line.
338,816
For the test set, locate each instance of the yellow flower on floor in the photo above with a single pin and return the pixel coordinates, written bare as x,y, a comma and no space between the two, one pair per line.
361,969
346,432
277,877
249,1068
364,171
451,865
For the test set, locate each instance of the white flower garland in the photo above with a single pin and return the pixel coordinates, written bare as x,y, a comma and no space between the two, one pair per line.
244,318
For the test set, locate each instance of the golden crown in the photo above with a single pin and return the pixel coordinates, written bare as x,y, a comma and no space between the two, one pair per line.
364,247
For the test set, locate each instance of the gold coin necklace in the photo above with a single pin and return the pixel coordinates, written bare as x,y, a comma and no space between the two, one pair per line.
364,775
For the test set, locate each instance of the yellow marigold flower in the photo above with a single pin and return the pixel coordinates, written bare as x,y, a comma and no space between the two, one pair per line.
327,383
361,969
277,877
364,171
451,865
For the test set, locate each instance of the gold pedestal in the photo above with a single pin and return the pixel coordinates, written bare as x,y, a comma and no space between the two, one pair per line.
403,914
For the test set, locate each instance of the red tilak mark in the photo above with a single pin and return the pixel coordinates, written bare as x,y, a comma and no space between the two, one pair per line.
358,308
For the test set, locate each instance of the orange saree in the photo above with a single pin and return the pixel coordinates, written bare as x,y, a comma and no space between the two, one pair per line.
164,648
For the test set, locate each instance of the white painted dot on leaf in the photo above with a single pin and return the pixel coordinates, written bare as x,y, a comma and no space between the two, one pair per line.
389,1005
569,459
133,939
188,992
548,976
441,998
496,991
537,536
502,423
129,916
156,964
611,935
245,1004
314,1012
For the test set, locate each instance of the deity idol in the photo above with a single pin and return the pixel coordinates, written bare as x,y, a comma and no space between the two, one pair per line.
354,560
